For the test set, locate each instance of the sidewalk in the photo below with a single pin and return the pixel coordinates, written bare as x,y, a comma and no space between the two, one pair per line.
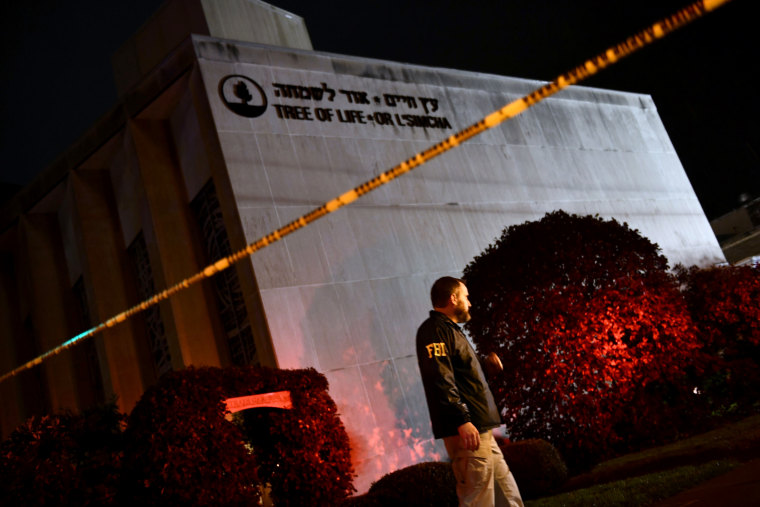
737,488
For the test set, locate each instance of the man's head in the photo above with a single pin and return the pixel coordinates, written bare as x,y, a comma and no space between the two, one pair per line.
449,296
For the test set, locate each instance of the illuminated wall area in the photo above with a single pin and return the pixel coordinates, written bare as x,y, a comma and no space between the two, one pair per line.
223,141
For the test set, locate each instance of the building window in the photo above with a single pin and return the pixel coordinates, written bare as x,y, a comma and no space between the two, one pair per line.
229,296
159,346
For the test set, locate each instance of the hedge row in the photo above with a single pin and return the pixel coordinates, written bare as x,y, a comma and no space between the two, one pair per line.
536,465
181,447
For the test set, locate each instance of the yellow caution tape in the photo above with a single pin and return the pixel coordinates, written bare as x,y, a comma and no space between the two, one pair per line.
579,73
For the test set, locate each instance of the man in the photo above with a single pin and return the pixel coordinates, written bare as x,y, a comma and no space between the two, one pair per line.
462,408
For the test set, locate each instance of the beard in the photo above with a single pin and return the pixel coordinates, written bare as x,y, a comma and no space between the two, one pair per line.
462,313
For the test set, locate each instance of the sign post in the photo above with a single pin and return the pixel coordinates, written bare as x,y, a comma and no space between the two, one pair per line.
279,399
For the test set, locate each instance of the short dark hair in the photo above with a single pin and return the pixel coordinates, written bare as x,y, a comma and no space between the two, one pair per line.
442,289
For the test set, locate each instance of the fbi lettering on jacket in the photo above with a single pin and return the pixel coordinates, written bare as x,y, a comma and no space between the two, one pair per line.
436,349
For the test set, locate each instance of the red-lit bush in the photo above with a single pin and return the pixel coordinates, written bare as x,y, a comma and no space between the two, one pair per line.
63,459
590,327
180,449
725,305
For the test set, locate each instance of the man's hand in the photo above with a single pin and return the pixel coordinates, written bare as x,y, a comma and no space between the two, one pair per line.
470,436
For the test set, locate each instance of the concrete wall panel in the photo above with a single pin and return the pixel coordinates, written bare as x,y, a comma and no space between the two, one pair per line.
272,265
186,135
286,314
309,263
241,152
129,193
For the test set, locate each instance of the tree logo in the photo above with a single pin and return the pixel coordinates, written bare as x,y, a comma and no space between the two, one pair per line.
239,95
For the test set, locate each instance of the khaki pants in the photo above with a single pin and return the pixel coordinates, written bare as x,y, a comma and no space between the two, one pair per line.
483,477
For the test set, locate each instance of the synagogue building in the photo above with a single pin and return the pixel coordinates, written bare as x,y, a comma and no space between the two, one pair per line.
230,125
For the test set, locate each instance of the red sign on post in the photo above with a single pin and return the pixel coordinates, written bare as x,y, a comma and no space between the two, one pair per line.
279,399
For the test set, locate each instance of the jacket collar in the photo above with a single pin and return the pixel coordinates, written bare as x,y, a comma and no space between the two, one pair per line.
435,314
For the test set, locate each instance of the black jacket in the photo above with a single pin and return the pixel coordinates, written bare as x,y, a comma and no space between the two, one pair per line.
455,387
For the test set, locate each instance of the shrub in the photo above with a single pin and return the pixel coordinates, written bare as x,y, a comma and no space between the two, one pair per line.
182,451
723,302
63,459
585,317
536,465
429,483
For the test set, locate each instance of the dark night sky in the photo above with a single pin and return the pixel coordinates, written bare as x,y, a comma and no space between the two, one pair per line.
56,74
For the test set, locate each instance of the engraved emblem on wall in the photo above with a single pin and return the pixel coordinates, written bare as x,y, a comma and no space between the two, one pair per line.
242,95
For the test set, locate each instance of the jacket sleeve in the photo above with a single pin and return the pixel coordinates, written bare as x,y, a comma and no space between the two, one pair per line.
435,351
